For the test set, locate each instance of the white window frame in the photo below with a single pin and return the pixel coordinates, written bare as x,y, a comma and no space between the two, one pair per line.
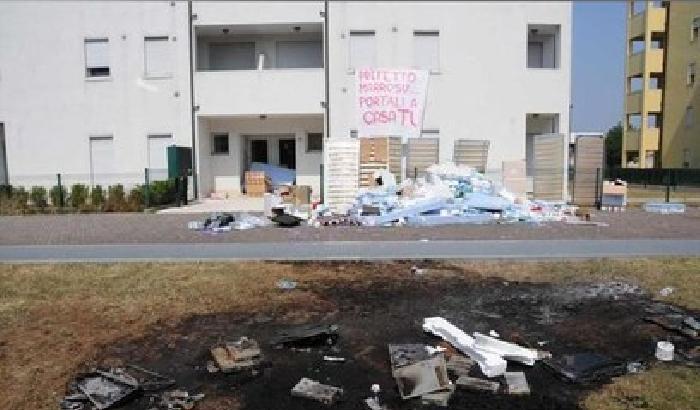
428,33
215,135
689,120
307,142
86,67
358,33
156,76
430,133
691,74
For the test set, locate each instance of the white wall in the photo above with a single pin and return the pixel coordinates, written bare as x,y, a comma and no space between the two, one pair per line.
50,109
222,173
483,90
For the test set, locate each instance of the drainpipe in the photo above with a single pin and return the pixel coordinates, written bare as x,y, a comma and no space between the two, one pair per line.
195,184
326,65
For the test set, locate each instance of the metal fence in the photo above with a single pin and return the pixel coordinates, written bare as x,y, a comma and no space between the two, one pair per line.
66,192
652,184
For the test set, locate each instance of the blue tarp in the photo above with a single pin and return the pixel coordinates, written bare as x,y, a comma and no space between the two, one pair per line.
278,175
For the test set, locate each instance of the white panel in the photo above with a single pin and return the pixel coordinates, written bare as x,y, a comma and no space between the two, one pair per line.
426,51
363,51
232,56
157,151
299,54
158,56
96,53
342,165
102,161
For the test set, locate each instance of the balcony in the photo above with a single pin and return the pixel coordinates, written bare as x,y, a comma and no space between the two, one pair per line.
260,12
632,140
656,22
651,139
653,100
253,92
651,60
633,103
259,69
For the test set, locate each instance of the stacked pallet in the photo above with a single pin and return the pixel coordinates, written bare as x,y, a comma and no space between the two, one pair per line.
422,153
515,177
588,163
379,153
341,173
549,181
473,153
256,184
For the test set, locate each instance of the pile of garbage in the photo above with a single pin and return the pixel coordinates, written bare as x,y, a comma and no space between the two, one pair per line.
448,194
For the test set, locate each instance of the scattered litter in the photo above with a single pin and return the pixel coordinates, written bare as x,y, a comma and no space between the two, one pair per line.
508,351
692,323
491,364
286,284
676,322
636,367
586,367
104,389
246,221
494,333
286,220
664,351
307,335
178,400
587,223
417,372
460,365
243,354
433,350
334,359
416,270
664,208
311,389
439,398
665,292
517,383
473,383
375,402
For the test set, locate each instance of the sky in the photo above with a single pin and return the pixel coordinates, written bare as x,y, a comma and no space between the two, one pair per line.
598,61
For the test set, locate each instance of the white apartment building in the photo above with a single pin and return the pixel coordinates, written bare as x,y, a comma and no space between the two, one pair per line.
96,90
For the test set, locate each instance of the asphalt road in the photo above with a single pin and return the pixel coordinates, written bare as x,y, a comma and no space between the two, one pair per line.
352,250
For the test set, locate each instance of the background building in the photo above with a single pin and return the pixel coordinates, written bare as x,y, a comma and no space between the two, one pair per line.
661,118
97,90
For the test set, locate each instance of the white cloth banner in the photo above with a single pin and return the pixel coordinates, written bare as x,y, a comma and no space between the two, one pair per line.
390,102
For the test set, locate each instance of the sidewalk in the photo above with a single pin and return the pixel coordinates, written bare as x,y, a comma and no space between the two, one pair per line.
242,203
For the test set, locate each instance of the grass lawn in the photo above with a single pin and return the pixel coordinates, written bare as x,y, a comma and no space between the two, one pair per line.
55,318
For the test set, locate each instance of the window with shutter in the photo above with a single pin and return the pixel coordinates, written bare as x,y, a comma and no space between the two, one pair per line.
363,51
157,57
426,50
97,57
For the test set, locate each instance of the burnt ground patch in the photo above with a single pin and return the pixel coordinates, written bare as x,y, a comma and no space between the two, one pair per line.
572,318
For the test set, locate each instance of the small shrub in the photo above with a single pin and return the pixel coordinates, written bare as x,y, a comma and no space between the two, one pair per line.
78,195
135,199
38,195
55,193
20,197
97,197
5,191
116,201
162,192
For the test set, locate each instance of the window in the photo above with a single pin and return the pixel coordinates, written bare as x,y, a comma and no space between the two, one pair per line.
157,57
353,134
96,57
543,45
219,144
299,54
232,56
689,117
634,122
314,142
426,50
686,158
695,29
363,51
430,133
102,162
158,151
690,80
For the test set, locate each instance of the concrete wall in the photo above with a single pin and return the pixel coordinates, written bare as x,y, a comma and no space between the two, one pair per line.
223,173
483,89
50,108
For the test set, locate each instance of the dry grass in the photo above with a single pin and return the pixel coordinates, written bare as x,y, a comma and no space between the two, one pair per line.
55,317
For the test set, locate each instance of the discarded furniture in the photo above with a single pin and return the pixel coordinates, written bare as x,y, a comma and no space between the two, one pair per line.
311,389
242,354
416,372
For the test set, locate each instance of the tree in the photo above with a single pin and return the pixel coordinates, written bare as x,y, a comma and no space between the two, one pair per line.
613,147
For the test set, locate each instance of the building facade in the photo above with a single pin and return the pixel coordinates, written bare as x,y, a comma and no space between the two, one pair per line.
97,90
661,118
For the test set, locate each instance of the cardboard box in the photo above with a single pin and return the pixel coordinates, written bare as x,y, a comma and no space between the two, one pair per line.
256,183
